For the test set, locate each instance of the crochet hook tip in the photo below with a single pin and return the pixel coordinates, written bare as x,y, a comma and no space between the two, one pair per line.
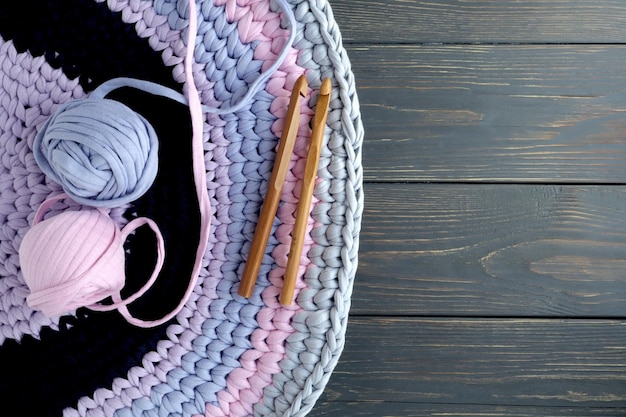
301,85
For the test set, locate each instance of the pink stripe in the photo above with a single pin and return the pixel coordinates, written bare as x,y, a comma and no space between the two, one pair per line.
18,88
245,385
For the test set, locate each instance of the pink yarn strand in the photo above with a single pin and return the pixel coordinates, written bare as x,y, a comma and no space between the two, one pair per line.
118,302
199,171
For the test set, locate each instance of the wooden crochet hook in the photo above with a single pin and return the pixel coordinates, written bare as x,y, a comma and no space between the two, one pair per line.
275,187
306,195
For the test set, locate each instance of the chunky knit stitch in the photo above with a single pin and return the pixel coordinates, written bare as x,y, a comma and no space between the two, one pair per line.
222,355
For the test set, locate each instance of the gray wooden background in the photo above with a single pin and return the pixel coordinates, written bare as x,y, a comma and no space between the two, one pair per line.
492,268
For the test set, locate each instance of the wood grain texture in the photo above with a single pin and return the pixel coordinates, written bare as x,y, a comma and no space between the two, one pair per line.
528,363
471,21
329,408
527,113
492,250
492,255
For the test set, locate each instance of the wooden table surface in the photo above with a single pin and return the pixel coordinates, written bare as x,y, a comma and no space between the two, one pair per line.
492,263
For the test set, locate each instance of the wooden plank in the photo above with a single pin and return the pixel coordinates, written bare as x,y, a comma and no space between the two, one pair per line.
493,113
525,363
471,21
326,408
492,250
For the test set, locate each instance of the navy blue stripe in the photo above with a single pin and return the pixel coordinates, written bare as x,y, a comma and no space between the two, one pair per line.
42,377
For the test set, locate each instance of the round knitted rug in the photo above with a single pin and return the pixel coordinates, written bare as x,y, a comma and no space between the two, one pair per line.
222,354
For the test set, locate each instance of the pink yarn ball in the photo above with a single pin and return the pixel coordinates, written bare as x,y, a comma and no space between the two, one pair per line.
77,259
74,259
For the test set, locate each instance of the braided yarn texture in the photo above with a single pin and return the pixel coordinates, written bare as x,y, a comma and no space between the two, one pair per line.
223,355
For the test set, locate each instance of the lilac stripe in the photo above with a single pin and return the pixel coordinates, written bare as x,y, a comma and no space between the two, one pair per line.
32,82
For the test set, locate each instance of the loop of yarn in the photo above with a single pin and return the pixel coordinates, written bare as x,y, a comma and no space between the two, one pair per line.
76,259
101,152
